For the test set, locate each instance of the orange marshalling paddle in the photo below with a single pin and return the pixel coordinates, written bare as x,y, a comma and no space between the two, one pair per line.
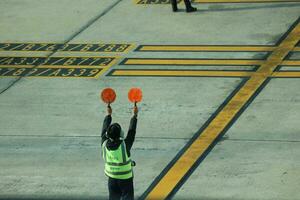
108,95
135,95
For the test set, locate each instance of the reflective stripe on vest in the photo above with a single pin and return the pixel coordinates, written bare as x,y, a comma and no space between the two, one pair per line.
117,163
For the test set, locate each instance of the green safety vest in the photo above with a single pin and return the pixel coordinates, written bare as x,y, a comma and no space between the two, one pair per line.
117,162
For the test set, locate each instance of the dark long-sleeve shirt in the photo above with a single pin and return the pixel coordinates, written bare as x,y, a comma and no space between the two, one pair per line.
128,140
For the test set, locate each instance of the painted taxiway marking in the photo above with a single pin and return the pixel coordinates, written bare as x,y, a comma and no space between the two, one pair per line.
181,73
49,47
84,67
207,48
286,74
215,1
176,61
173,177
51,72
58,61
198,73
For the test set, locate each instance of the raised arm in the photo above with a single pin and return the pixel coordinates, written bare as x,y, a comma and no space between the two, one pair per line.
131,131
106,124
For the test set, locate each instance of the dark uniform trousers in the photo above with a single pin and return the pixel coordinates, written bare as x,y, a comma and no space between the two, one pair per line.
186,2
120,189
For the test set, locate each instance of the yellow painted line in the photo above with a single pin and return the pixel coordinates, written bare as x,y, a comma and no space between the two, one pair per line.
205,48
185,162
243,1
181,73
296,49
174,61
291,62
289,74
106,68
130,48
145,61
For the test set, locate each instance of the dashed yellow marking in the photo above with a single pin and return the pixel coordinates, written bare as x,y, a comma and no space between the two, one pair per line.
175,174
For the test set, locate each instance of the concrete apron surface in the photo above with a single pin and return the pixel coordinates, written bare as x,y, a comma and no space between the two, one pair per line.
50,127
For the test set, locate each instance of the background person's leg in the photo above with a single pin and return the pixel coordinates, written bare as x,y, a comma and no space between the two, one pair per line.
189,7
174,5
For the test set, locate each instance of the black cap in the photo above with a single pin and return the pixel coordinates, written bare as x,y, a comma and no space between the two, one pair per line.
114,131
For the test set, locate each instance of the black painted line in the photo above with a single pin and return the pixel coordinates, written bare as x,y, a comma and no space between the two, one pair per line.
294,24
289,55
278,68
194,137
202,157
213,144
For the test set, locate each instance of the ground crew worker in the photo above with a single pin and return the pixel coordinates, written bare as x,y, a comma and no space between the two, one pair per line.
188,5
116,155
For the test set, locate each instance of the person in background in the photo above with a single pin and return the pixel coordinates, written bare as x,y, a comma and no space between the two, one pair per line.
116,155
188,5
